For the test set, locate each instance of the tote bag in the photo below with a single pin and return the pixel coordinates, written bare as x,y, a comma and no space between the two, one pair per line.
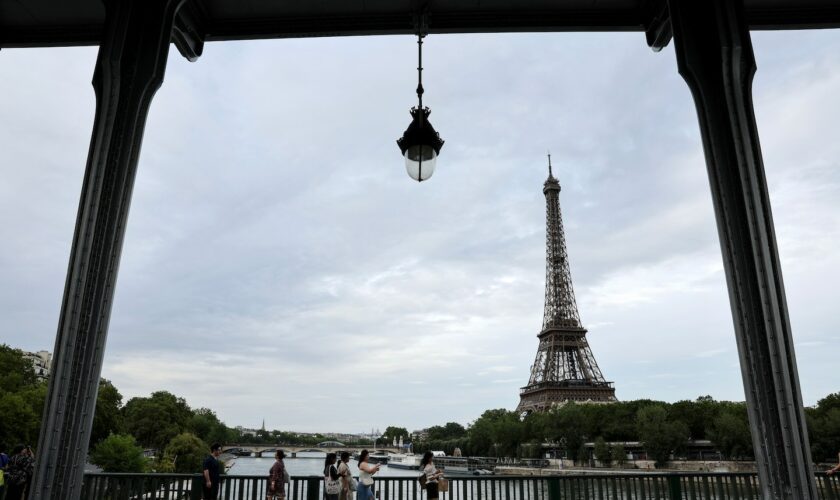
331,486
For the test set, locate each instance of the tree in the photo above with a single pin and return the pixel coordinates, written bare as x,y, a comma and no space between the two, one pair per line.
451,430
119,453
730,432
17,372
187,452
454,430
155,420
659,434
620,423
496,432
392,432
603,452
568,428
619,455
698,415
107,419
19,423
824,428
34,396
207,427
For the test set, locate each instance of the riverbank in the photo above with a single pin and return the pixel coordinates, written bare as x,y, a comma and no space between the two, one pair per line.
567,467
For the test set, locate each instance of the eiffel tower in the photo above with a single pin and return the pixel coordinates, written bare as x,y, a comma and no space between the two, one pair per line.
564,369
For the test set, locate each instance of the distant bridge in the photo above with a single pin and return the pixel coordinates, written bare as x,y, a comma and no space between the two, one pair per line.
257,450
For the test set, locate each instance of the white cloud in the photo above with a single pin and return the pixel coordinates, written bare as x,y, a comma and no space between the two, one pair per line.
276,246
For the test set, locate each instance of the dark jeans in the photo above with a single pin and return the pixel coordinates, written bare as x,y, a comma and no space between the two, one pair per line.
432,490
14,492
211,493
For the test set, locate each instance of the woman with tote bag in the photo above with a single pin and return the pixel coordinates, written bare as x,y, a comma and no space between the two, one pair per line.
332,486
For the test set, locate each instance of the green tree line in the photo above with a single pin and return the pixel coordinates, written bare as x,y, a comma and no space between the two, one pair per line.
180,434
662,428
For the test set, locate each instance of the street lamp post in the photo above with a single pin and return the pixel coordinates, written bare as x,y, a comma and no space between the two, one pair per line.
420,143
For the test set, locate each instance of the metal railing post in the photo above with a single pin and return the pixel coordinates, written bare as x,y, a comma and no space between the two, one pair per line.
554,488
313,488
196,489
674,488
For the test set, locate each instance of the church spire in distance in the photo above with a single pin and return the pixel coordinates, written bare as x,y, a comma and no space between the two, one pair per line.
565,368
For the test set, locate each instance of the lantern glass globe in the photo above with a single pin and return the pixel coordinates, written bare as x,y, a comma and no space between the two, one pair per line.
420,162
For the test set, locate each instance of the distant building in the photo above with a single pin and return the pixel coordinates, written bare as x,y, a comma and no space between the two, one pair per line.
41,363
246,432
420,435
344,436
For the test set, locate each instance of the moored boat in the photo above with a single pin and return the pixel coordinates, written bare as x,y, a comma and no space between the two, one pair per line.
378,458
404,461
463,466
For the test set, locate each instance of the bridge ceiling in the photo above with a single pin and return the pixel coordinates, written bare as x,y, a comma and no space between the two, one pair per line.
79,22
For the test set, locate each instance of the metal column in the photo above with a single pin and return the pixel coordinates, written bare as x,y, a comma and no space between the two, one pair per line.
129,70
715,57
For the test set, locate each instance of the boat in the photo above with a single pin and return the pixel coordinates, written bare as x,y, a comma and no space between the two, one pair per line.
378,458
405,461
464,466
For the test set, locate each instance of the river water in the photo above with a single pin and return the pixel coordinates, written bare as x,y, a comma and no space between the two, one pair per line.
305,464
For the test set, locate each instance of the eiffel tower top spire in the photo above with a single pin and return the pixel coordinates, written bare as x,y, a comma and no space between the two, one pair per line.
560,305
549,165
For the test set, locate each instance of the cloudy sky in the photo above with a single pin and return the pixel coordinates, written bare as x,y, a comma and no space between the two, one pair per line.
280,264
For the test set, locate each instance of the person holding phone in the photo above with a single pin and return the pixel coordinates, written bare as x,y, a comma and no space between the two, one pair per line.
432,475
366,471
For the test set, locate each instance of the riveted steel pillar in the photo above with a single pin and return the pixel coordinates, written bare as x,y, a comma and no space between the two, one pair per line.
129,70
715,57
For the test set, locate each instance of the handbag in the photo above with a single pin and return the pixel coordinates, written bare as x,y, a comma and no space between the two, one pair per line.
353,483
331,486
286,477
422,480
443,484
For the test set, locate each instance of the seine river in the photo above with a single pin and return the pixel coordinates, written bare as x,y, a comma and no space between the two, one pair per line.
306,464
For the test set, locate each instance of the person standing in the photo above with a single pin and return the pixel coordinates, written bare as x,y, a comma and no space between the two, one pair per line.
31,472
836,468
364,490
432,475
332,486
18,472
212,475
4,460
346,476
277,477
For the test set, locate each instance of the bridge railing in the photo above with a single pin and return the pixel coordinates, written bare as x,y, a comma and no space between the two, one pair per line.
636,486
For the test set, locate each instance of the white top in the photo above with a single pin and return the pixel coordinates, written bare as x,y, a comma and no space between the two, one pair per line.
365,477
431,473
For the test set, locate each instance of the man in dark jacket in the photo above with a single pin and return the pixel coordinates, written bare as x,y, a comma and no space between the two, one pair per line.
212,473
